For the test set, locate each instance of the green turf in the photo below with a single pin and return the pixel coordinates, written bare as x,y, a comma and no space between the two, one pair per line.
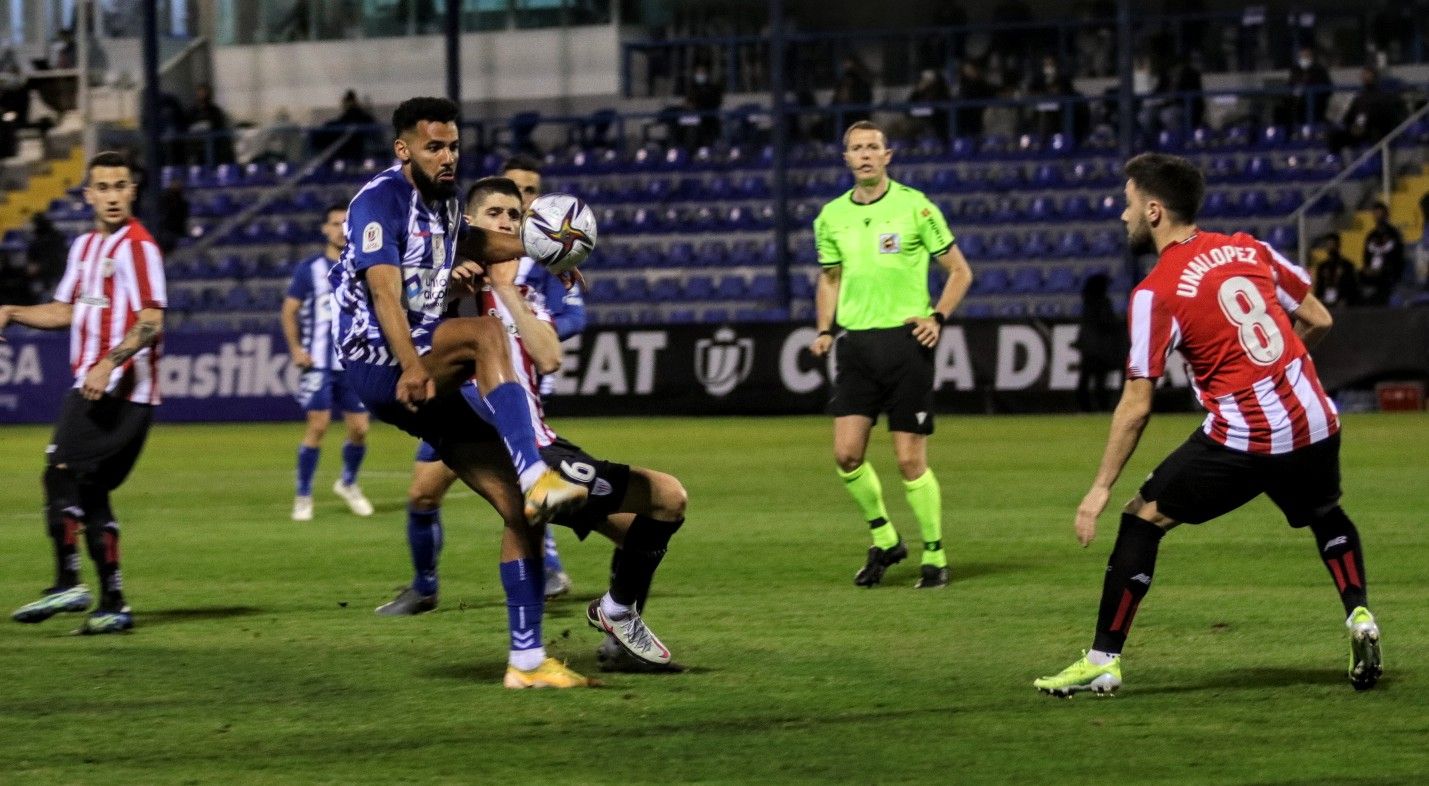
257,658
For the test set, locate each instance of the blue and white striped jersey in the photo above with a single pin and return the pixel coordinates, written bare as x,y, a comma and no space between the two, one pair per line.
389,224
311,288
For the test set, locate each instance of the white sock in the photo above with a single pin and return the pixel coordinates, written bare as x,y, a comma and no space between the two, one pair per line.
526,660
531,474
1100,658
613,609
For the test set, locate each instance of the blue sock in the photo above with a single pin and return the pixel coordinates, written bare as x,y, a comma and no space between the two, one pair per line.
525,585
352,461
553,558
424,539
307,467
508,409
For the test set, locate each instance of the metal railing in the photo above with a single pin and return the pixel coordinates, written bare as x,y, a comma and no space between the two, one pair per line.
1384,149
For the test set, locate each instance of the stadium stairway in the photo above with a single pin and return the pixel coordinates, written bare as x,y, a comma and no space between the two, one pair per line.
1403,212
59,175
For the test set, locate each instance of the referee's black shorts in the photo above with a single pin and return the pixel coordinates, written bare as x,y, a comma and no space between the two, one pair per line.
1203,480
99,439
884,370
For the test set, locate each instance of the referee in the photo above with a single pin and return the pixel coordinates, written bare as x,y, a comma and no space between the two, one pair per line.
874,243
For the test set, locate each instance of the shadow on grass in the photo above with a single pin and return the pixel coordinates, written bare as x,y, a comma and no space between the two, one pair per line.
972,570
167,616
1265,677
493,671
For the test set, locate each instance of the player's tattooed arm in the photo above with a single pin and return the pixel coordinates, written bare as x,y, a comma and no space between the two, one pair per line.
141,335
1312,320
145,332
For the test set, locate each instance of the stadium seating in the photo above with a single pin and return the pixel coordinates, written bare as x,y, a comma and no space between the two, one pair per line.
686,234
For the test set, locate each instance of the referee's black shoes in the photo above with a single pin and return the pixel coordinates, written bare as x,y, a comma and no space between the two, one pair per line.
879,560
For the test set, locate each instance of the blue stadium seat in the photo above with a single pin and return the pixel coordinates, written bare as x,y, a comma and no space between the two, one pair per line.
1272,138
1253,202
1061,279
711,253
1004,245
699,288
801,287
1108,208
1036,246
1104,243
1283,238
1217,204
681,316
763,287
665,290
1046,176
1077,208
1004,211
603,290
991,281
972,246
635,290
1041,208
1071,244
1026,280
977,310
731,288
714,315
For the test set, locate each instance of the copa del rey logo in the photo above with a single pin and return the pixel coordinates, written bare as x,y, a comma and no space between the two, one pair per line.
722,362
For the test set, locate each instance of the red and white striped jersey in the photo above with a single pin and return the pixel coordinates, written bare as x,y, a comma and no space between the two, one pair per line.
109,279
1225,302
521,361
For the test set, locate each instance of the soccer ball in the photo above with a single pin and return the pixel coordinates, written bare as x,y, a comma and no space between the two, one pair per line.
559,232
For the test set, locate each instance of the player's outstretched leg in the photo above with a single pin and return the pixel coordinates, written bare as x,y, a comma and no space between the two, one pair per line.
1128,578
63,522
558,582
470,355
101,533
1338,541
658,501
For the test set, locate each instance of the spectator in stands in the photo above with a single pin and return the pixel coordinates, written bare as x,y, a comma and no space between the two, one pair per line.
173,215
854,88
1383,258
14,101
1055,116
705,95
44,258
973,85
173,124
208,118
1101,342
932,88
1336,282
1374,112
1309,89
1180,75
355,118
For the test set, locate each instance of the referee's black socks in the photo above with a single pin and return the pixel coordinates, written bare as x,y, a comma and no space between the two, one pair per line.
1128,578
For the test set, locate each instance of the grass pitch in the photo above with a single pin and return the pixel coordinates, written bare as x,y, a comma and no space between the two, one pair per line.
257,659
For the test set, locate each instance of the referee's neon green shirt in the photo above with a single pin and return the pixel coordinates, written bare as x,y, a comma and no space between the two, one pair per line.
883,248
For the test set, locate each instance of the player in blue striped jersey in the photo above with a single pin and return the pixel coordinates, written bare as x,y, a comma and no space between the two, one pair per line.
308,326
449,381
431,479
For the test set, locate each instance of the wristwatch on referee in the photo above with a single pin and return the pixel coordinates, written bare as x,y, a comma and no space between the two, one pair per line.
939,317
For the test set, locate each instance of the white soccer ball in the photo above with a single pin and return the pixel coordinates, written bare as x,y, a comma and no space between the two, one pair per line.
559,232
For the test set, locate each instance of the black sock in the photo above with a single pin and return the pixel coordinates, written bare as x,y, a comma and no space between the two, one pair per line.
63,520
101,535
633,565
1339,545
1128,578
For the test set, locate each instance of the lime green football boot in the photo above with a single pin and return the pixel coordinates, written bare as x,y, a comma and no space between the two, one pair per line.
1366,665
1082,676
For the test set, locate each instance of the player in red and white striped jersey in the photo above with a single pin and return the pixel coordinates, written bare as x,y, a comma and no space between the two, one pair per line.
112,299
1241,316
